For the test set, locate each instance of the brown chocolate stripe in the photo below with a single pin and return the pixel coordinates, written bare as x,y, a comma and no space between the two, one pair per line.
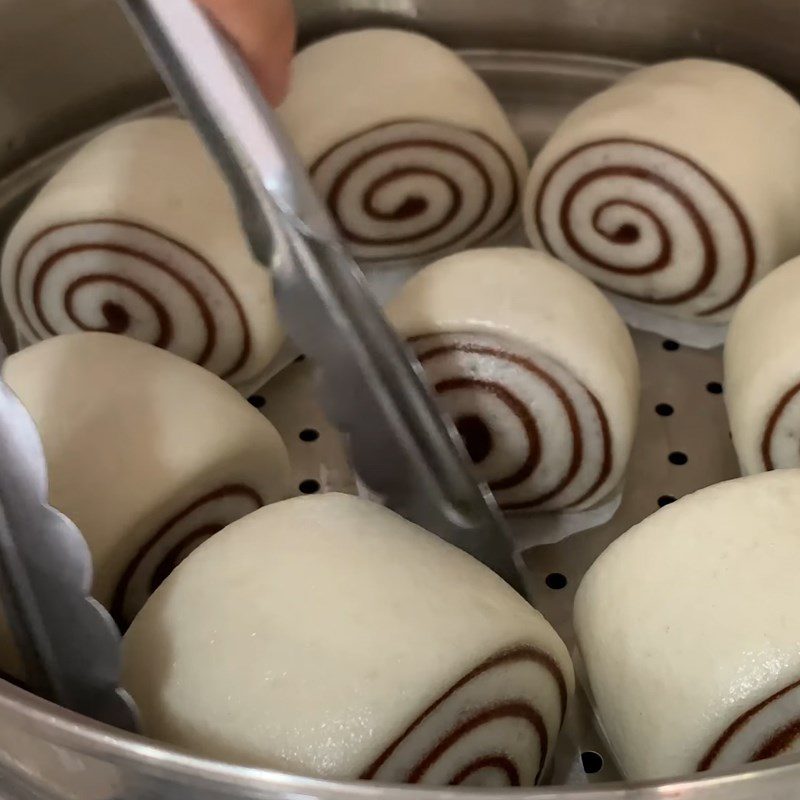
122,321
417,205
173,556
405,211
501,763
664,259
774,744
529,423
117,605
517,709
779,742
513,710
166,331
605,466
772,423
515,405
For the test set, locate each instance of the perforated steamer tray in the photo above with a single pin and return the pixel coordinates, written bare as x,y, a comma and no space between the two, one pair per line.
683,441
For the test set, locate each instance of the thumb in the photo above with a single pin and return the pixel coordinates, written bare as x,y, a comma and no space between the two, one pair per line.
264,32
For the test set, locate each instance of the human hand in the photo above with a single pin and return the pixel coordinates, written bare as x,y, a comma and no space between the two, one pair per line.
264,31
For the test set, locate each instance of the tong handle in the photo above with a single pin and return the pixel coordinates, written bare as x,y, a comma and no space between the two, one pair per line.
69,644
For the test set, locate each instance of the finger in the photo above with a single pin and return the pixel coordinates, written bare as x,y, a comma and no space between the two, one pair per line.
264,31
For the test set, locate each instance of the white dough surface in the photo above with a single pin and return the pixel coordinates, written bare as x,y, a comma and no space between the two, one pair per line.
396,120
141,219
687,621
762,373
532,306
309,635
706,149
134,436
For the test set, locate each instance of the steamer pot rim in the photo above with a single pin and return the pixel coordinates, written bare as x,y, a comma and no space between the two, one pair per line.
82,736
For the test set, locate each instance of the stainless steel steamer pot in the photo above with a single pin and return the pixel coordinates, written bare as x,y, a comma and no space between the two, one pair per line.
69,65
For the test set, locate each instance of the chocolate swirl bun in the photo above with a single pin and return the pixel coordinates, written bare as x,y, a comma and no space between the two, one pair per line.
147,453
502,741
137,235
683,624
662,191
769,728
762,373
173,541
535,368
445,682
420,160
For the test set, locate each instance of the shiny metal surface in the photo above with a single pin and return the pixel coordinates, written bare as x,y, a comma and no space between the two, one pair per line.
758,33
68,641
65,65
68,64
47,753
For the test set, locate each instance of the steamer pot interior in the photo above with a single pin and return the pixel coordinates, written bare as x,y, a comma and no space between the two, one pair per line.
75,65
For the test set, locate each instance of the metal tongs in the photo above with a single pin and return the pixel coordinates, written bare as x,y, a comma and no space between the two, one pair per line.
68,642
371,386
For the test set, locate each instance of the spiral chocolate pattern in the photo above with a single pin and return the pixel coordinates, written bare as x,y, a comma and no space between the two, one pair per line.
489,729
779,446
120,277
536,434
770,728
410,189
647,223
175,540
